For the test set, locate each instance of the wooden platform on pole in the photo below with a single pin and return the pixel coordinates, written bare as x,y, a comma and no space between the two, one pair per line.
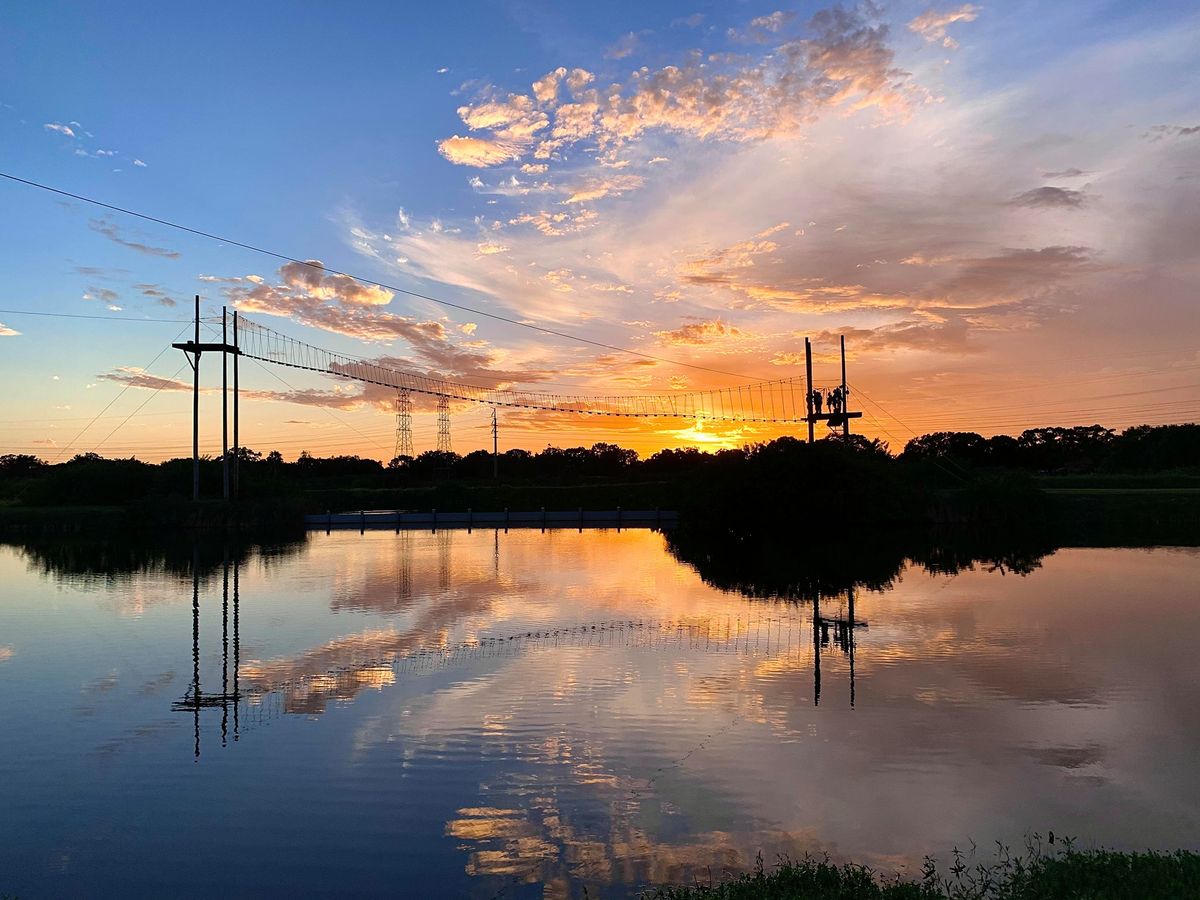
193,350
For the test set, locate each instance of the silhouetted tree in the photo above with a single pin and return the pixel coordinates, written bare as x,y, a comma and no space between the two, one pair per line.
20,465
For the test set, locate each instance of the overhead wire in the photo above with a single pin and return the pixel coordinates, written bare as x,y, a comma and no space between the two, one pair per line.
54,315
142,406
127,386
364,280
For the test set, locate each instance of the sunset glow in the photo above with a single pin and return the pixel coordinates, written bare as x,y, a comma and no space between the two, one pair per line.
998,206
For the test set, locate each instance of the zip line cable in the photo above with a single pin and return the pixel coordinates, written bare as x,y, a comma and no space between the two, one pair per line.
146,367
121,424
30,312
362,280
313,265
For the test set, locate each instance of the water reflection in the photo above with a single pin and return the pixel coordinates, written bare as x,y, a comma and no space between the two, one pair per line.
535,713
196,699
96,561
338,670
797,567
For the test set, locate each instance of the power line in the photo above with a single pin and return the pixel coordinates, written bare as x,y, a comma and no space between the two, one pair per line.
83,430
121,424
30,312
390,287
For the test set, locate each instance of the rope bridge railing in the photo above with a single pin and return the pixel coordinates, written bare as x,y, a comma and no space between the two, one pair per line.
780,401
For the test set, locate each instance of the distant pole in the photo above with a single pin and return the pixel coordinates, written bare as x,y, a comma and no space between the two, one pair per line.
237,447
443,438
225,404
495,446
196,408
808,393
845,395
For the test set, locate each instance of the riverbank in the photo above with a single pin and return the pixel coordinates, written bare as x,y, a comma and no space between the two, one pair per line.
763,489
1074,515
1032,875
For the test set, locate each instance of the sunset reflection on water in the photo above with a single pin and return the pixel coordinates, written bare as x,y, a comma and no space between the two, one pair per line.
471,711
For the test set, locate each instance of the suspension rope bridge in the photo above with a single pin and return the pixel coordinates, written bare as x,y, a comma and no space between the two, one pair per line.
778,402
773,402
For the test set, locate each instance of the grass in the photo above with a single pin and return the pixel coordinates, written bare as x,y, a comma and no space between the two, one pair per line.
1039,873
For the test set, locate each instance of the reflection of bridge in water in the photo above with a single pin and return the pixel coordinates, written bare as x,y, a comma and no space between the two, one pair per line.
227,700
254,694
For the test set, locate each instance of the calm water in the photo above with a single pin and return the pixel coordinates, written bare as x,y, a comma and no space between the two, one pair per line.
524,714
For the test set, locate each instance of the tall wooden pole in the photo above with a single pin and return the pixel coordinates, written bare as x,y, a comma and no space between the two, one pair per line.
845,395
808,393
237,446
196,408
225,404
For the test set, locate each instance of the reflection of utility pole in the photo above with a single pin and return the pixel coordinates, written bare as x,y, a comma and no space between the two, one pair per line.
816,630
237,645
850,591
196,640
404,588
443,548
225,644
843,638
196,699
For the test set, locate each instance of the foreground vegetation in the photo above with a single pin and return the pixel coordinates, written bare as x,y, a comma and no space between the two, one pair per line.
1036,874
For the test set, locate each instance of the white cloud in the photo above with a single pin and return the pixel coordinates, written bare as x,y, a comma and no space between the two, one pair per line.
623,47
932,24
489,248
60,129
845,63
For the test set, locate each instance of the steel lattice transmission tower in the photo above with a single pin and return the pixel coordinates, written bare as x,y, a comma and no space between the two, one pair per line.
443,408
404,440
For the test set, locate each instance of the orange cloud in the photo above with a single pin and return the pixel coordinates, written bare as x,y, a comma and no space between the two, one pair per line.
699,333
932,24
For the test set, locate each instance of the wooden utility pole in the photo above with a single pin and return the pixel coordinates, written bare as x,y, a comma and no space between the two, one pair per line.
192,350
845,393
196,410
843,416
808,393
225,406
237,447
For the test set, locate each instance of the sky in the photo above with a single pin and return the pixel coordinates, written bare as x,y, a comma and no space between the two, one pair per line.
997,204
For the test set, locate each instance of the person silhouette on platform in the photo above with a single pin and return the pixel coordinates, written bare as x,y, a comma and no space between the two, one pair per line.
816,402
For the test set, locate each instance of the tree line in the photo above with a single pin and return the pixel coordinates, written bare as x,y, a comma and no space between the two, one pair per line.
90,478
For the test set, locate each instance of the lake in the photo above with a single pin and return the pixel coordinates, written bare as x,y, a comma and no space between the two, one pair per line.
526,714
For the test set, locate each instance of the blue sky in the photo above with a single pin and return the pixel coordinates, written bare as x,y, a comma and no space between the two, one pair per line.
987,198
